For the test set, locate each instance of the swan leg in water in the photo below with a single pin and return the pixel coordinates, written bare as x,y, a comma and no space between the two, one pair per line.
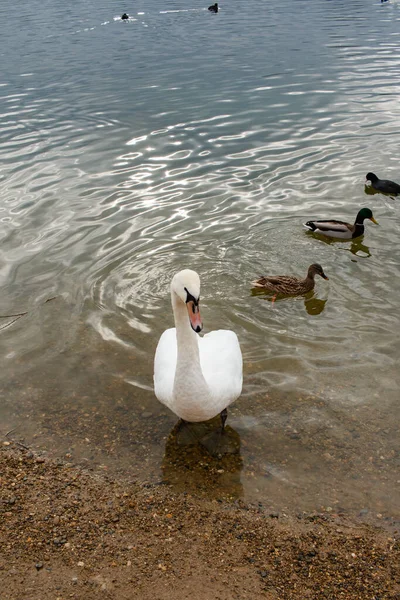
185,434
192,433
219,441
224,416
189,434
181,431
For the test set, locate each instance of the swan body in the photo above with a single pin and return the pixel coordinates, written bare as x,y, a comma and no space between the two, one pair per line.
195,377
341,229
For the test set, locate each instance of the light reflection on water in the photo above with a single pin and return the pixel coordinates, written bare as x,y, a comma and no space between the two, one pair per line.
125,160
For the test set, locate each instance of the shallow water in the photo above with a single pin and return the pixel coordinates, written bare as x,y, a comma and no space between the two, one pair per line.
179,139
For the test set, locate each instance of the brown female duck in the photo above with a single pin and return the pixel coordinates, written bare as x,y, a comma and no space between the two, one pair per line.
289,285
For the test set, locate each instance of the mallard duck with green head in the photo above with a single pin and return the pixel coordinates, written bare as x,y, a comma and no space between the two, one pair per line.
340,229
288,285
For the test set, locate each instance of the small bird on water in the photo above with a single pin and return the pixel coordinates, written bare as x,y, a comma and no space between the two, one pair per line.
385,186
340,229
213,8
289,285
125,16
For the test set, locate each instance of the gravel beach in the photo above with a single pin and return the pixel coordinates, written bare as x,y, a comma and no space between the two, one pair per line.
72,533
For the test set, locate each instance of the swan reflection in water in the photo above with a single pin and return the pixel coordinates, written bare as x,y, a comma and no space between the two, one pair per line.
312,304
189,466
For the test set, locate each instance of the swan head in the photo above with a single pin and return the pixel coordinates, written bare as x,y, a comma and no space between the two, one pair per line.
186,286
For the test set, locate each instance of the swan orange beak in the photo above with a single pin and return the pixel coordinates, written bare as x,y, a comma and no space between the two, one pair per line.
194,316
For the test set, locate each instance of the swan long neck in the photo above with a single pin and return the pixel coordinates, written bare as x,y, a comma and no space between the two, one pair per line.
186,338
191,391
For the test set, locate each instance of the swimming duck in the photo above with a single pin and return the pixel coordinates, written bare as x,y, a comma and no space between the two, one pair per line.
383,185
289,285
341,229
213,8
124,17
196,377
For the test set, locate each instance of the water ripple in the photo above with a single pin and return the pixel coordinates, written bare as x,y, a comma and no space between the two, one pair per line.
121,166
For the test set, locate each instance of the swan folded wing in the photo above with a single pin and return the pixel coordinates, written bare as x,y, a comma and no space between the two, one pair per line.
165,366
222,365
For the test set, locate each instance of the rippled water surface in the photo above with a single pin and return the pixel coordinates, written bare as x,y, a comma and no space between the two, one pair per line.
181,138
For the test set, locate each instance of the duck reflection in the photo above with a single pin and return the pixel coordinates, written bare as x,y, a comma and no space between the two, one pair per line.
315,306
199,459
359,249
368,189
356,247
312,304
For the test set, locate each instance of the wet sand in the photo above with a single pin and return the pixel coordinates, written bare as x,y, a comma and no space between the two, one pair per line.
67,532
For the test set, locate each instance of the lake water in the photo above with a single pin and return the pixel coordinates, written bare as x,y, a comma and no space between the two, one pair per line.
182,138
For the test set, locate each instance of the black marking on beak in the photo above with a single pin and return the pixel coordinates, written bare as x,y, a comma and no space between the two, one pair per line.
190,298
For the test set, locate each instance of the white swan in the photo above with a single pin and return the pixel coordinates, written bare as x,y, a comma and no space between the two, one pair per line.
196,377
